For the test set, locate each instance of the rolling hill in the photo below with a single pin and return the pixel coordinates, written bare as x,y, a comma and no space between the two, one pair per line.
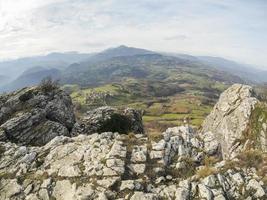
124,62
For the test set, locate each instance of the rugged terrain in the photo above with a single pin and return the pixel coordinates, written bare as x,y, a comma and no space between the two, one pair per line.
226,159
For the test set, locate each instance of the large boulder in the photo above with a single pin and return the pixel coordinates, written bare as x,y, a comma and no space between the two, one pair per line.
107,118
230,118
33,116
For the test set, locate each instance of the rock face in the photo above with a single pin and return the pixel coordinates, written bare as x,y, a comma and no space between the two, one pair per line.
107,118
229,119
34,117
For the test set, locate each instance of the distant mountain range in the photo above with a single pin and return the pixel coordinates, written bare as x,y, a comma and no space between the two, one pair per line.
115,64
246,72
33,76
14,68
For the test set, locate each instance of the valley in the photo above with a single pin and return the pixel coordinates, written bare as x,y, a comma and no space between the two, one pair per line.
169,109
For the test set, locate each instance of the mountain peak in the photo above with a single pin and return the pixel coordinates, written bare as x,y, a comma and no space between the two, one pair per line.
119,51
123,47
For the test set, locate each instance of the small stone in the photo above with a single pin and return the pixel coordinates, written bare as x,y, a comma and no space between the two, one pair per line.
169,177
43,194
138,168
32,197
237,178
108,182
159,180
209,181
139,154
102,196
180,165
69,171
219,197
143,196
64,190
253,184
129,184
182,193
156,154
205,192
28,189
9,189
159,146
109,172
46,183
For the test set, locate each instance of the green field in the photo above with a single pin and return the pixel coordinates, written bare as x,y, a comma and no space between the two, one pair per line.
159,112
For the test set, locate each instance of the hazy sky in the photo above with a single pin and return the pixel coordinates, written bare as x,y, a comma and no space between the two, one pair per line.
235,29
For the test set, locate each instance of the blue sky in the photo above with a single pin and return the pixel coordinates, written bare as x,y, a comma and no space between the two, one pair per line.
235,29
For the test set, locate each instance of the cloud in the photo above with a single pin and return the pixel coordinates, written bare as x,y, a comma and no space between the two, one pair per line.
231,28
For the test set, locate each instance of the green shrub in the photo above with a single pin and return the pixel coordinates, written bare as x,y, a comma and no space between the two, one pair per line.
48,85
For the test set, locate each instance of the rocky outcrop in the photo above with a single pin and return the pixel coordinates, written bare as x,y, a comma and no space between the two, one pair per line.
32,116
179,164
107,118
228,120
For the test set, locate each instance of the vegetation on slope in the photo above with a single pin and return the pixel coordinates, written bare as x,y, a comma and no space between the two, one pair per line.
164,103
254,135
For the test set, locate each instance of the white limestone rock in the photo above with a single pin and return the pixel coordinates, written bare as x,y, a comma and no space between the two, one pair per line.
229,119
